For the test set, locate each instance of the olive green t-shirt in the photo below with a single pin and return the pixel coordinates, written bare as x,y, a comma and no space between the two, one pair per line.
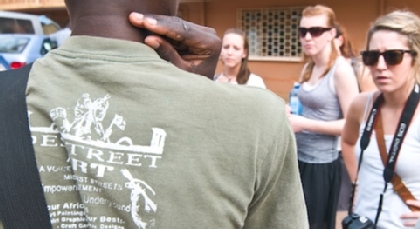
124,139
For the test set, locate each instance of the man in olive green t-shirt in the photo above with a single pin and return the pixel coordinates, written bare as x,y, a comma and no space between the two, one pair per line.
124,139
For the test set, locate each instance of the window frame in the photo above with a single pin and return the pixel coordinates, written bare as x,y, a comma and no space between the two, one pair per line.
239,22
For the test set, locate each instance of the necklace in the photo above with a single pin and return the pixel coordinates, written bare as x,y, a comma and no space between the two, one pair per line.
230,79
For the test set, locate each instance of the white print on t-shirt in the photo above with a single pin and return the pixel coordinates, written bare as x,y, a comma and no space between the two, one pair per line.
86,133
95,152
140,201
90,115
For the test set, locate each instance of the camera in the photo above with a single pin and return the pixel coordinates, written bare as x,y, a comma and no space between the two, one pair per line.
354,221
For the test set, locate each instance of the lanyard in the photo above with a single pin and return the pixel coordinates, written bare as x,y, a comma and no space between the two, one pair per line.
400,133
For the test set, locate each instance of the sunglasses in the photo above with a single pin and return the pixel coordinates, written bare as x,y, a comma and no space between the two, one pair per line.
314,31
391,56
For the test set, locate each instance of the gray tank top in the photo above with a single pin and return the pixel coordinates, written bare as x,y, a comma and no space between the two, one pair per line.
319,103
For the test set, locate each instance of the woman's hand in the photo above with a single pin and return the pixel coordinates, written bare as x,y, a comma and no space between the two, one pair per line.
411,218
288,110
299,123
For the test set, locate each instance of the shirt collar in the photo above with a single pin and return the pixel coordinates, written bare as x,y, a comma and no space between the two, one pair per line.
107,47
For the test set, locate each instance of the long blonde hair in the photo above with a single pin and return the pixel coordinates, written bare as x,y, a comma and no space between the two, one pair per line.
331,22
405,23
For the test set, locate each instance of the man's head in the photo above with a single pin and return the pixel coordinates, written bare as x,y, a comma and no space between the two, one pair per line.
164,7
109,18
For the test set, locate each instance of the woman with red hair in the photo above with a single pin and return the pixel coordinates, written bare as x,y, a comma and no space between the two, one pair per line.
328,86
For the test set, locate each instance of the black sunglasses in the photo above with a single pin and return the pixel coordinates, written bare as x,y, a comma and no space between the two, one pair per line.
391,56
314,31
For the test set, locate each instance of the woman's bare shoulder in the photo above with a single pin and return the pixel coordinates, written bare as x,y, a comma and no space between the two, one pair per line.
361,103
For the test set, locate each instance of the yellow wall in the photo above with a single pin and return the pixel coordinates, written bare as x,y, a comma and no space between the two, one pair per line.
355,15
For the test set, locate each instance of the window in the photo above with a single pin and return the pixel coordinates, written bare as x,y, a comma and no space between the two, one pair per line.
272,33
48,45
13,44
15,26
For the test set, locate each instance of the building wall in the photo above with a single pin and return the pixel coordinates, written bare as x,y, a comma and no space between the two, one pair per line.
355,16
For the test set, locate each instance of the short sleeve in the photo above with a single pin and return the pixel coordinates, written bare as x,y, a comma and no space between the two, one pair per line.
278,200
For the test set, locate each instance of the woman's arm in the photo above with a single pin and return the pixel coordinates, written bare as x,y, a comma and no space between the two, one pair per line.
351,133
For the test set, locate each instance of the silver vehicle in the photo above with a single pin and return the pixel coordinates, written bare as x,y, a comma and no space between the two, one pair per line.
19,23
3,64
19,50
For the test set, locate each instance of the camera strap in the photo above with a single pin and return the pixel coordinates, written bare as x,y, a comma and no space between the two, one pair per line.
22,200
398,184
400,133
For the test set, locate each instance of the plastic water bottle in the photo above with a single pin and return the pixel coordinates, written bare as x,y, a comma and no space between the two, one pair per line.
295,105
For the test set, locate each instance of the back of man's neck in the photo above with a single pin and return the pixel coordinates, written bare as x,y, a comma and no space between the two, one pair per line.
110,26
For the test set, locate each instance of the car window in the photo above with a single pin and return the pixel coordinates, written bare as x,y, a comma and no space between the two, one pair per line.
48,26
16,26
49,29
48,45
12,44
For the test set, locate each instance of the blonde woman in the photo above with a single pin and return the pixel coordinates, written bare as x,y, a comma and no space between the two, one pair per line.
392,55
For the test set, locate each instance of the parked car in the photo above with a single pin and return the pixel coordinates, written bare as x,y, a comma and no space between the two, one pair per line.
3,64
20,23
19,50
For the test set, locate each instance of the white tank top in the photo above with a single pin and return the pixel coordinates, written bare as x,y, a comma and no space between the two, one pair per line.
371,181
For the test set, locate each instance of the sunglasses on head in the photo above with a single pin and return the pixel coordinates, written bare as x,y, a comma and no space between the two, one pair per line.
391,56
314,31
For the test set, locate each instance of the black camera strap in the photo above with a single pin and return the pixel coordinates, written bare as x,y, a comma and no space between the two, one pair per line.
400,133
22,200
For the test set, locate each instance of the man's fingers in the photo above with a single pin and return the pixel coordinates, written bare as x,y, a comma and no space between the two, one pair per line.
165,50
153,41
168,26
188,46
199,64
172,27
177,29
199,39
137,20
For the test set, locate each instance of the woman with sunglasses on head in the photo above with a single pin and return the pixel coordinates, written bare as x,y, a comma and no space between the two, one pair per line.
234,56
328,86
390,157
346,49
